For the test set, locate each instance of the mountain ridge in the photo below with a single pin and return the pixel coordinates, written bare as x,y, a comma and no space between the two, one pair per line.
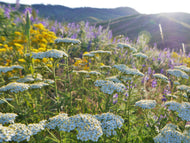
66,14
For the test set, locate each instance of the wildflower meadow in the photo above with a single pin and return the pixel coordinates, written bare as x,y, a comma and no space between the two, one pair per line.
75,82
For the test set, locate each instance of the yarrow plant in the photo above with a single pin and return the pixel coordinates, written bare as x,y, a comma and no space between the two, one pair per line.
146,104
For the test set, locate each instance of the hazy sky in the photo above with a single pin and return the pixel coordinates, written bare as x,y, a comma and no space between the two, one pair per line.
142,6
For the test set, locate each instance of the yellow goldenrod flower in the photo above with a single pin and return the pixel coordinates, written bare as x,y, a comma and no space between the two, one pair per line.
17,33
6,46
37,60
3,50
34,50
3,38
39,26
101,64
1,44
45,60
50,65
17,45
22,60
42,49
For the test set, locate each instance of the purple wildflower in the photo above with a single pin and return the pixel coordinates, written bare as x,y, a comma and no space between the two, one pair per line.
154,83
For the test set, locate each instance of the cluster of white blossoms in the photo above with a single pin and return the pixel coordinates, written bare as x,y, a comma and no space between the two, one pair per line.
128,71
177,73
176,83
183,88
169,134
120,67
9,68
67,40
140,55
49,54
105,67
38,85
49,81
94,73
59,121
83,72
88,127
6,134
160,76
114,79
127,46
146,104
183,68
14,87
7,118
173,105
88,55
35,128
100,52
170,95
22,132
30,78
183,109
109,87
109,122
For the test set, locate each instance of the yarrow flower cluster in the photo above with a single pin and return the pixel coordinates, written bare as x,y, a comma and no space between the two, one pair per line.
177,73
49,81
35,128
9,68
140,55
67,40
127,46
49,54
22,132
84,72
38,85
88,55
80,72
183,68
109,122
146,104
30,78
7,118
169,134
109,87
183,88
183,109
94,73
6,134
114,79
58,121
160,76
88,127
105,67
173,105
128,71
100,52
14,87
